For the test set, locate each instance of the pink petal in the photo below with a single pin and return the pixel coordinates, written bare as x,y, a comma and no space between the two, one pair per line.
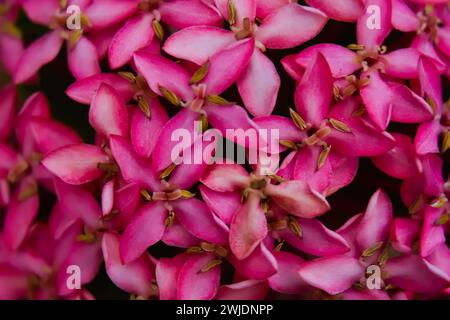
314,93
11,49
134,35
404,232
177,236
196,218
298,198
414,274
193,284
159,71
108,114
402,63
430,81
50,135
248,227
287,279
145,131
375,224
132,167
260,265
126,201
108,197
341,10
317,239
341,60
432,235
245,290
290,26
83,59
40,12
198,44
20,214
76,164
84,90
162,154
226,177
144,230
181,14
244,9
333,275
427,137
134,277
259,85
13,283
223,204
78,203
374,37
227,65
106,13
403,18
432,171
401,161
408,107
38,53
167,271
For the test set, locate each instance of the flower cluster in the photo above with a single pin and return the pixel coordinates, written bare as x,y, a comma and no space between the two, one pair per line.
163,228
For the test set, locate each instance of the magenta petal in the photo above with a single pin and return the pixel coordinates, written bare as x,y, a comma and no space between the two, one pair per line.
333,275
50,135
432,235
40,12
11,49
106,13
107,197
39,53
84,90
198,44
159,71
76,164
132,167
134,35
144,230
432,172
226,177
402,63
134,277
377,97
287,280
430,82
290,26
375,224
78,203
193,284
180,14
314,94
244,9
404,232
223,204
260,265
167,271
408,107
177,236
7,111
227,65
298,198
341,10
248,227
20,214
427,137
245,290
259,85
145,131
83,59
403,18
374,36
168,140
401,161
126,201
317,239
13,283
415,274
108,114
196,218
341,60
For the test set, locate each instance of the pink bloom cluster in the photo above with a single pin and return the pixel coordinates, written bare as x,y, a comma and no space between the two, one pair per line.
226,230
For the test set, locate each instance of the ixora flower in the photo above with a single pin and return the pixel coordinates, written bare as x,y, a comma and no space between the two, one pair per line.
284,25
140,30
36,134
375,239
385,99
83,52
